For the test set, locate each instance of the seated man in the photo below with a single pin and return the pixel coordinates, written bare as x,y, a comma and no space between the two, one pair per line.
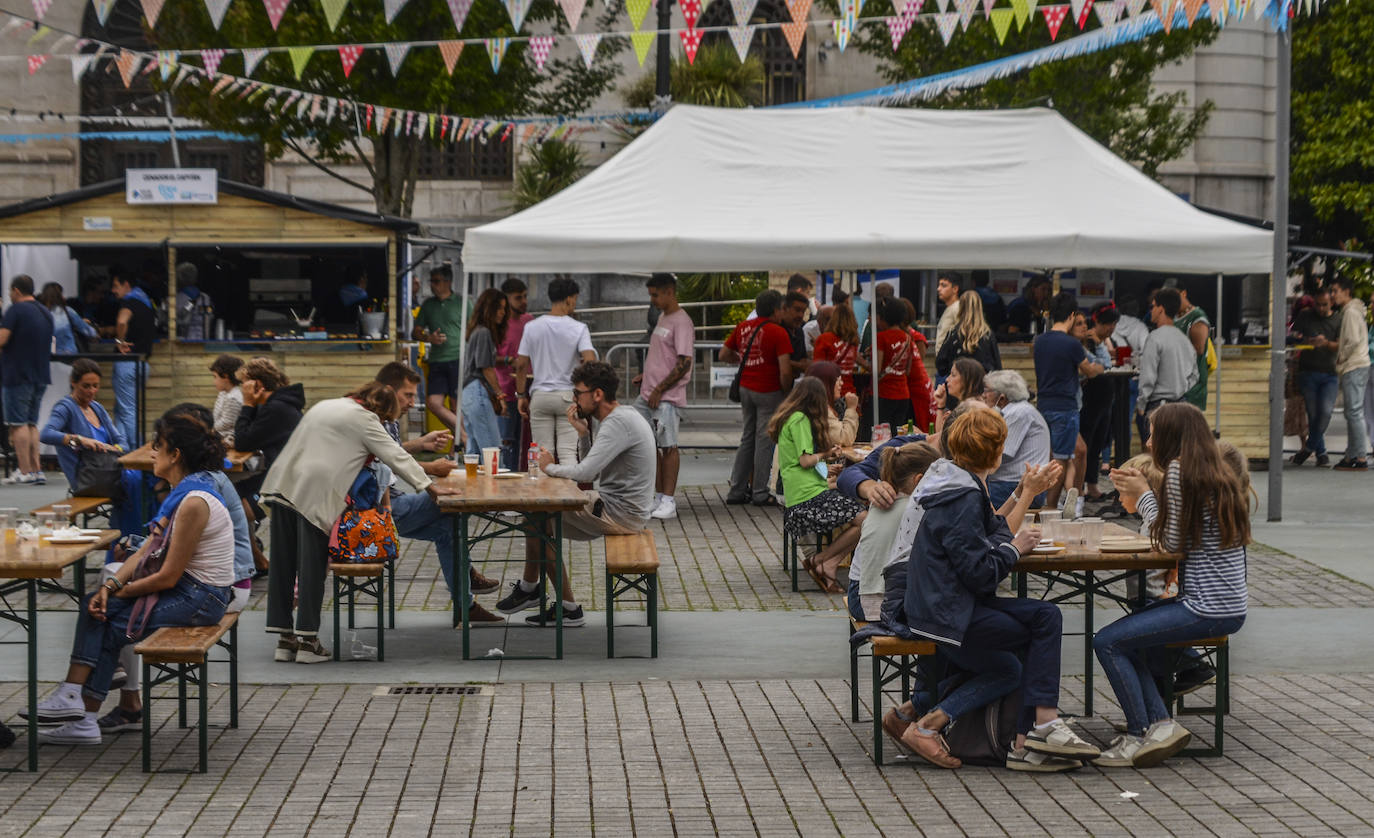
621,457
1028,436
417,515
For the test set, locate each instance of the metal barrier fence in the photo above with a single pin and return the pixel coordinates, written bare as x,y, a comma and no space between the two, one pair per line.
707,384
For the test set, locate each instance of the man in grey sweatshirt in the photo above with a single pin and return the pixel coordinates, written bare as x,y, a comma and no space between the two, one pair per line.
620,457
1168,364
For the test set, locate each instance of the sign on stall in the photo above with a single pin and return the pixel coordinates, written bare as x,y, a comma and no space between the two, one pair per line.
171,186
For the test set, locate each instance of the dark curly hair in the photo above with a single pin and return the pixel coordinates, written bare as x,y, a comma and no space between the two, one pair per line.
188,432
378,398
598,375
83,367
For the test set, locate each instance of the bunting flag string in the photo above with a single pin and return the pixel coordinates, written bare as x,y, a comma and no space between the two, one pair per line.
251,59
496,48
391,8
275,10
517,9
333,10
458,10
348,56
691,12
450,50
641,41
572,11
744,10
742,37
1054,18
539,47
587,44
102,9
151,10
36,61
691,41
216,9
395,54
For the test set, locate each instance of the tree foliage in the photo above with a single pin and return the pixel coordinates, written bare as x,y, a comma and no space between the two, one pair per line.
717,78
566,86
552,166
1109,95
1332,160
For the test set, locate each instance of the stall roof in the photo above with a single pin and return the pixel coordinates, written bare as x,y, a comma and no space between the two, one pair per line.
710,189
229,187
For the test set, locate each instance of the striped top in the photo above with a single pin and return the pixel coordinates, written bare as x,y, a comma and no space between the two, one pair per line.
1211,580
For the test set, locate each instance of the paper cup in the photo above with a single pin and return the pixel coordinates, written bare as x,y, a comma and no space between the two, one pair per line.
491,460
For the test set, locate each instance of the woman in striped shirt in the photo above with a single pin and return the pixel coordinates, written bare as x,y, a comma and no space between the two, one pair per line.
1202,512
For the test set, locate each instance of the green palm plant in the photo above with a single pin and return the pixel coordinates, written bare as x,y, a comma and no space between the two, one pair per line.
717,78
551,167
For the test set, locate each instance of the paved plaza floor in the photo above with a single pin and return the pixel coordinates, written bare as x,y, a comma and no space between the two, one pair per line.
740,727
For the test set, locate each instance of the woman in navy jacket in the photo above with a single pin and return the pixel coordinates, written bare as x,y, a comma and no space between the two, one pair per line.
963,549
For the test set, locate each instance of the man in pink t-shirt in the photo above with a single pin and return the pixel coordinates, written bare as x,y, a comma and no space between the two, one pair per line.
663,385
513,425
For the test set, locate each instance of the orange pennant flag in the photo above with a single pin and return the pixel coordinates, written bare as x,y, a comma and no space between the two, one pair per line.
450,50
128,65
796,33
1191,8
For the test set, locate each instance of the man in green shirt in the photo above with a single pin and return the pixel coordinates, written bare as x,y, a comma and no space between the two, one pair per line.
440,324
1193,322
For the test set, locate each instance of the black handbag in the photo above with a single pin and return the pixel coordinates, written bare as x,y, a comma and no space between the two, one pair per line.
99,475
744,359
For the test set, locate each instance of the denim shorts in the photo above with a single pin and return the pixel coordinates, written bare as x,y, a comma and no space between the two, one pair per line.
664,420
22,402
1063,432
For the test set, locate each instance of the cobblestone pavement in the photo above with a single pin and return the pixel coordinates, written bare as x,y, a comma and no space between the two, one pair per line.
727,558
679,758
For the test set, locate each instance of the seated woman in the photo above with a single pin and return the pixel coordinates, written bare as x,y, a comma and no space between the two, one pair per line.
843,431
228,395
965,381
1202,512
962,551
1028,437
799,426
192,583
80,423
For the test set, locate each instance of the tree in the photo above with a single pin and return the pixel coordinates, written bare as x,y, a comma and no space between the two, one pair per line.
553,166
717,78
566,86
1332,159
1109,95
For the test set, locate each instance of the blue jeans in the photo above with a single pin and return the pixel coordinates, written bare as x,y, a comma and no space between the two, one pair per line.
1353,385
1000,490
97,644
417,516
1000,629
1120,648
479,419
126,399
1319,394
512,426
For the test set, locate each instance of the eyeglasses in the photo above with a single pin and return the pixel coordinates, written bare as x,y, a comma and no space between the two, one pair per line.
577,392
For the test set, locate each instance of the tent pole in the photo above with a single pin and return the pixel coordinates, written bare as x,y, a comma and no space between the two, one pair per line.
462,362
1216,400
873,344
1279,274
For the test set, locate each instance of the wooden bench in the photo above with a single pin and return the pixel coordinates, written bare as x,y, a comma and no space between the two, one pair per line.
182,654
893,658
86,507
1217,649
632,565
790,550
351,580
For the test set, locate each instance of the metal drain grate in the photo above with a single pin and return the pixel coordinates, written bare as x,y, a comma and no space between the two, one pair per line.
434,689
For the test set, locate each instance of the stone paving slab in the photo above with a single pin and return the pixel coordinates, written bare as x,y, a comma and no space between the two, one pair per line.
678,758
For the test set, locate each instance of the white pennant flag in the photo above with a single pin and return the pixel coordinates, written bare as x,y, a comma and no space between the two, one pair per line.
395,54
102,9
80,63
1135,6
744,10
944,6
517,9
587,44
742,37
217,8
251,57
946,22
393,8
1106,13
572,10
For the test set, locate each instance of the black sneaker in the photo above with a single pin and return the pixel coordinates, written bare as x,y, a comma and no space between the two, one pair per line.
1352,465
734,500
1300,457
571,617
519,599
1323,461
119,720
1194,679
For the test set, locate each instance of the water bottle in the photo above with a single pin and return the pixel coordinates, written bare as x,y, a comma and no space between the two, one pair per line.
534,460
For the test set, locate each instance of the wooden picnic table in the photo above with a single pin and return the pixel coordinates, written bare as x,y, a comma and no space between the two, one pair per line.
141,459
30,566
543,501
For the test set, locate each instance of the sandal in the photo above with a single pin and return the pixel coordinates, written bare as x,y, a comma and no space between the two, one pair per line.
825,583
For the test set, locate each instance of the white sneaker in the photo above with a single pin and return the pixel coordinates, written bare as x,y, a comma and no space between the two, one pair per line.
84,732
1122,752
21,479
1058,739
1028,760
1162,740
59,707
667,508
311,650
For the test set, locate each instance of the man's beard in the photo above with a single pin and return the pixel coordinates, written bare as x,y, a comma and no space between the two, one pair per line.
586,414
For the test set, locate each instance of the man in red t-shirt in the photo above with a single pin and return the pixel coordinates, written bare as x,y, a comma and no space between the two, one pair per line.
765,376
895,357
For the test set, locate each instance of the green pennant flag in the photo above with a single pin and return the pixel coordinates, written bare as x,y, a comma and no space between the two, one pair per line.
333,10
642,42
1022,10
300,56
637,9
1001,22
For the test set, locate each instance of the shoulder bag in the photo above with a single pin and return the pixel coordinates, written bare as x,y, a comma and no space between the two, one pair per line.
99,475
365,532
744,359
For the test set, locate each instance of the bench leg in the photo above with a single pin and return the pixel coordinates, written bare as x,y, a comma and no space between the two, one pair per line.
348,592
853,683
381,618
203,693
653,615
181,696
147,717
796,560
234,675
877,710
390,602
610,615
337,594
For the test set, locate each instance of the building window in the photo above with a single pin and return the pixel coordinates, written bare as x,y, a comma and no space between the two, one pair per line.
466,160
784,77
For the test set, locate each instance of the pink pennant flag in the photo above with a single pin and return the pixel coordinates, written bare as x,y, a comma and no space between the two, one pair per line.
987,7
459,10
151,9
128,62
1054,18
450,50
587,44
217,8
349,56
40,8
691,12
798,9
946,23
211,58
36,61
897,27
252,56
275,10
539,47
742,37
691,40
572,10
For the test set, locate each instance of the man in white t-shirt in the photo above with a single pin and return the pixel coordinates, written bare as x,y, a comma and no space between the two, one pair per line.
663,385
550,348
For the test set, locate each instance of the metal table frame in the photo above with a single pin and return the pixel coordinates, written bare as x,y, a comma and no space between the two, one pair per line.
496,526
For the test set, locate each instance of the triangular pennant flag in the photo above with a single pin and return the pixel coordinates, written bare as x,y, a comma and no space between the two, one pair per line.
1077,6
151,9
36,61
128,65
393,8
744,10
275,10
450,50
1220,10
539,47
966,9
841,28
572,10
637,9
40,8
1030,7
459,9
1001,22
252,56
642,41
40,33
517,9
348,56
80,63
217,8
1134,6
691,12
742,37
1165,10
333,10
944,5
798,9
987,8
300,56
224,82
1081,18
795,33
897,27
1106,12
587,44
1021,10
1054,18
1191,8
395,54
946,22
166,62
496,48
691,41
102,10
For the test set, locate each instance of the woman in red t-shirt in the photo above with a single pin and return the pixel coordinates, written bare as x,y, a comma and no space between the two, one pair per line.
918,380
839,344
896,350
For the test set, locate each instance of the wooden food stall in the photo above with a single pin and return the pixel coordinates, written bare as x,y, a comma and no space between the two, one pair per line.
274,268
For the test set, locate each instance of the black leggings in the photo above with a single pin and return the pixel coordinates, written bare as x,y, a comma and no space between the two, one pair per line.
1095,426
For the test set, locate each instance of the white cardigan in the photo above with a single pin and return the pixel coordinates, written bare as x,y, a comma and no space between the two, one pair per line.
314,471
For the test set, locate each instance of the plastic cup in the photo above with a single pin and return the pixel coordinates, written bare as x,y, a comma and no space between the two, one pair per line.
1092,533
62,512
45,522
1071,534
1047,515
470,463
10,515
491,460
